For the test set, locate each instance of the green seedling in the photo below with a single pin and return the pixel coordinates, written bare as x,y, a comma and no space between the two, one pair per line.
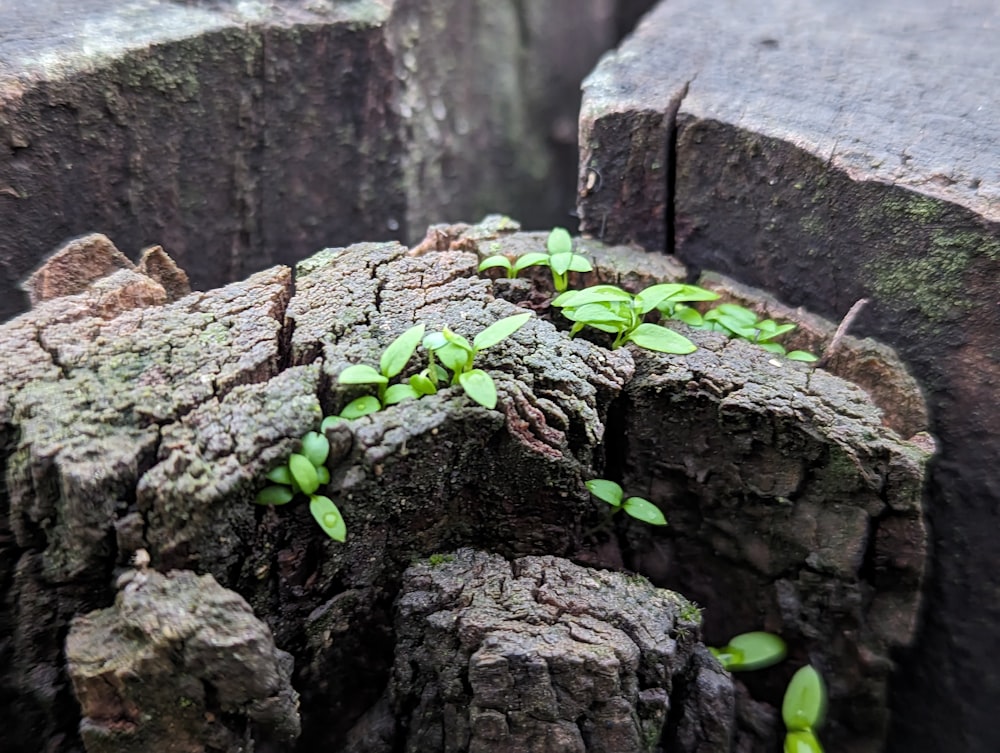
304,473
804,704
674,305
637,507
457,354
608,308
560,259
741,322
393,361
533,259
750,651
802,710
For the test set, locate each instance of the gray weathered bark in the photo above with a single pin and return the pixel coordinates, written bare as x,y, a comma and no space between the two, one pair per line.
831,153
179,664
541,654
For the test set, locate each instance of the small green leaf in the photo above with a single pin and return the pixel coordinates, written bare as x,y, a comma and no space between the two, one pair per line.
494,261
644,510
422,384
303,472
315,447
532,259
280,475
801,355
500,330
772,347
361,407
559,263
274,495
805,700
732,323
737,314
613,329
564,299
400,350
361,373
693,293
758,649
688,315
435,340
328,517
802,741
454,356
559,241
397,393
480,387
606,491
323,474
330,421
648,299
594,313
727,656
770,329
593,294
661,339
579,264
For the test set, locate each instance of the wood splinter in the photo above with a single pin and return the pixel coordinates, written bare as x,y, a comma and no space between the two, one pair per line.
845,325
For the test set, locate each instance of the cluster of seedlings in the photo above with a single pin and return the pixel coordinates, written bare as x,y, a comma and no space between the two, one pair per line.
450,360
446,351
611,309
637,318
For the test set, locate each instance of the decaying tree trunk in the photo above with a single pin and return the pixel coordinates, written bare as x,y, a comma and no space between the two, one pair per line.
792,506
829,153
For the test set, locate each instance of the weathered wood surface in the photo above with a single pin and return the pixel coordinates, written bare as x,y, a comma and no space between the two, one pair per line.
541,654
829,152
125,428
240,135
154,670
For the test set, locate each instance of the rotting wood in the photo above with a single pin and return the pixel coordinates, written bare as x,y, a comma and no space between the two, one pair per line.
152,428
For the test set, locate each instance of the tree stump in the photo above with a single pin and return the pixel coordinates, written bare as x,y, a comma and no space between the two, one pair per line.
131,427
178,664
828,154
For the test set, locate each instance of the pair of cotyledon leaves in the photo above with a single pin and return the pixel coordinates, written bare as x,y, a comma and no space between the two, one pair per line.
304,473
